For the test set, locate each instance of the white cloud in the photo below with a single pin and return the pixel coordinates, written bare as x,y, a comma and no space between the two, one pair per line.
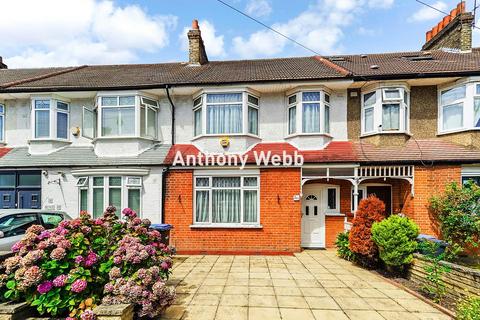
214,44
426,14
258,8
476,35
320,27
59,32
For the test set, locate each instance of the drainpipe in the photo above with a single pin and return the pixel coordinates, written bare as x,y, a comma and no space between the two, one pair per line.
172,106
164,192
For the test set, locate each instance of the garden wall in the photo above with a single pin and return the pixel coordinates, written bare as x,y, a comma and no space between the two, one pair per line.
460,282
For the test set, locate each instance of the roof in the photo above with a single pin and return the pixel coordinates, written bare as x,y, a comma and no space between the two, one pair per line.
420,151
425,63
157,75
78,156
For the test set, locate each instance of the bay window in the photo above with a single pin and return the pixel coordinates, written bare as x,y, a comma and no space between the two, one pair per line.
385,110
122,116
226,200
226,113
309,111
98,192
459,108
50,118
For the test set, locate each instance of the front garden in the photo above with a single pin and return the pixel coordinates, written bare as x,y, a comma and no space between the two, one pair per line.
85,262
445,272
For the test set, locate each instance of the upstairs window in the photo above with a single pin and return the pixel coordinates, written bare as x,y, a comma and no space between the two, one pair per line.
122,116
51,119
309,112
226,113
459,108
385,110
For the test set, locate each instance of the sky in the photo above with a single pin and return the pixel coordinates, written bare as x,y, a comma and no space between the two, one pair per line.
46,33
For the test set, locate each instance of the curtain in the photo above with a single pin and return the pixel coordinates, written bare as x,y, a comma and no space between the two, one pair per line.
252,120
292,120
97,202
62,125
224,118
451,95
109,122
127,121
198,121
311,117
42,124
118,121
391,117
250,206
226,202
327,119
151,123
392,94
453,116
2,120
224,98
83,200
134,200
476,117
368,119
202,204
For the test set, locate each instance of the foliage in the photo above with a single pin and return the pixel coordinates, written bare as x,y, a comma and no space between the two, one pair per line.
435,270
458,211
343,250
370,210
469,309
396,240
65,270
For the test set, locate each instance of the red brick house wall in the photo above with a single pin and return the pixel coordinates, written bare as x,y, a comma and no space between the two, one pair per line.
280,217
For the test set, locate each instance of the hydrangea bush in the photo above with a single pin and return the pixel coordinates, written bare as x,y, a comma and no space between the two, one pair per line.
85,262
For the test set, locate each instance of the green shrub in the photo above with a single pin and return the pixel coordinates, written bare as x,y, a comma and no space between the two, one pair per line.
396,240
469,309
458,211
435,285
343,250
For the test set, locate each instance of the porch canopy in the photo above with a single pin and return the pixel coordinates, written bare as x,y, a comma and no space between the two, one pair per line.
356,174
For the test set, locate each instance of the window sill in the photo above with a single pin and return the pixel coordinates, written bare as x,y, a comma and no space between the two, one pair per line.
226,226
49,140
457,131
313,134
230,135
393,132
334,214
125,138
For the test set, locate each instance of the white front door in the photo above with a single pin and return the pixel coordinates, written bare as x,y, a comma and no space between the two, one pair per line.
313,217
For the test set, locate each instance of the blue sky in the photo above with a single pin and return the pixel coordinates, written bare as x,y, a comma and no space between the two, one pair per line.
60,32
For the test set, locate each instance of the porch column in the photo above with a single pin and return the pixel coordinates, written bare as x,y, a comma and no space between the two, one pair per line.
355,198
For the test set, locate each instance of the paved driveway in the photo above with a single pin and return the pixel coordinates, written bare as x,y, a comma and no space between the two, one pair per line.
310,285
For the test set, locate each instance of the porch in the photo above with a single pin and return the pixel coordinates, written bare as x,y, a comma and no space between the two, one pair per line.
331,194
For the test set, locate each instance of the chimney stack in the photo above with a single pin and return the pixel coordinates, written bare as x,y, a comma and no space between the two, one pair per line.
196,49
452,32
2,65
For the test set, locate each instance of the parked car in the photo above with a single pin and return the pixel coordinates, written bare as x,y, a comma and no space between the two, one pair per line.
15,222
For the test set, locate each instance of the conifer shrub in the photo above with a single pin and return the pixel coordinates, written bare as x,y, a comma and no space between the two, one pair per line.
370,210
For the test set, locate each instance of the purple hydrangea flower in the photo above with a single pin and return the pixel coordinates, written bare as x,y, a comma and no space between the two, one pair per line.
44,287
88,315
91,259
79,285
17,246
127,212
79,259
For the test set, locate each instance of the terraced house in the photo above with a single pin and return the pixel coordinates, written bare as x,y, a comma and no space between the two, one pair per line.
211,147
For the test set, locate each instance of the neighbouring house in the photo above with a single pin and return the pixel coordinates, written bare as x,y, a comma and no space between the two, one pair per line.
254,156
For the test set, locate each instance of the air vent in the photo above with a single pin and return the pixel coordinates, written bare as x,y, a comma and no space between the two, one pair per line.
374,66
337,59
418,58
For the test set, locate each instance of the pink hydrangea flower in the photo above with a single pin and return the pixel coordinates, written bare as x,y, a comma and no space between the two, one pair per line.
60,281
45,287
44,234
108,288
117,259
98,221
88,315
79,259
91,259
17,246
127,212
79,285
58,254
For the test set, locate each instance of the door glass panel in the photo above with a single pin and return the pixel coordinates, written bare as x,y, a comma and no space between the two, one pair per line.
307,211
97,202
315,210
134,199
332,199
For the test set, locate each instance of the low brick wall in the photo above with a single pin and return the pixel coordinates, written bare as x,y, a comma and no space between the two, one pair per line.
460,282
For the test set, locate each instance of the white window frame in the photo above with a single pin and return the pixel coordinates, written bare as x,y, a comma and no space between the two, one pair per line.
299,111
52,110
468,105
253,106
198,106
292,105
242,188
380,100
125,187
245,92
140,101
3,111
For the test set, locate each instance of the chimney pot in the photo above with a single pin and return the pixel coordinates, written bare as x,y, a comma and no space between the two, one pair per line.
453,13
428,35
2,65
195,25
461,7
446,20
